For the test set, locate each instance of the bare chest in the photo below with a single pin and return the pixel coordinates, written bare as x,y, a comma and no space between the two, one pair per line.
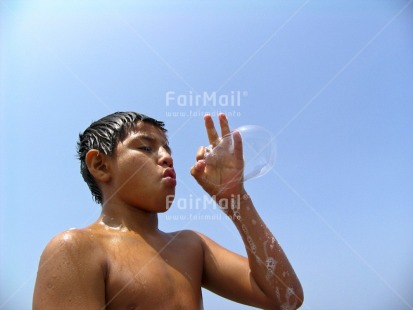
162,275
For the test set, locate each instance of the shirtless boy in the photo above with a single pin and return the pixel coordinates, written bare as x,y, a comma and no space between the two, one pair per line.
123,261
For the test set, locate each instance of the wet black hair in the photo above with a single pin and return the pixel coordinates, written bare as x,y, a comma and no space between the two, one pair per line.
103,135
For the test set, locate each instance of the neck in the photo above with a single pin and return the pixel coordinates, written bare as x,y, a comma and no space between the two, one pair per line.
128,218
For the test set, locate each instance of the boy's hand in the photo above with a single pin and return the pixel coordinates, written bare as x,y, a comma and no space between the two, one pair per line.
220,174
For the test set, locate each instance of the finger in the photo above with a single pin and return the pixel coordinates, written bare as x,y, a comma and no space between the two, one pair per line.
197,170
200,154
238,150
225,131
211,132
223,123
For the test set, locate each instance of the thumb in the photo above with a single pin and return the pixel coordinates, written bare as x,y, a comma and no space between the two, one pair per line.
197,170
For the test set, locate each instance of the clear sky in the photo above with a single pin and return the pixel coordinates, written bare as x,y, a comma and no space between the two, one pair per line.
332,80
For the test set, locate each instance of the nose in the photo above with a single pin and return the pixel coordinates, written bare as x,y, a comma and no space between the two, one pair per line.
165,158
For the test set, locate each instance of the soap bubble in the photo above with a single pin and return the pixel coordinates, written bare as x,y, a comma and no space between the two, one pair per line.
259,150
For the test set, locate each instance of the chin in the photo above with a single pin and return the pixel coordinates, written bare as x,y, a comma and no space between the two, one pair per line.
169,199
162,211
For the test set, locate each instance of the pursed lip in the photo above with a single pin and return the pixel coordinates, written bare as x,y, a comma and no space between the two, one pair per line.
169,173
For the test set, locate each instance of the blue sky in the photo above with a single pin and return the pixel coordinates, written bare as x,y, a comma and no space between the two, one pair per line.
332,80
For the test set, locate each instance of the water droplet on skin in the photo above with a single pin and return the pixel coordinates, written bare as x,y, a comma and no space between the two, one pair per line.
270,263
277,293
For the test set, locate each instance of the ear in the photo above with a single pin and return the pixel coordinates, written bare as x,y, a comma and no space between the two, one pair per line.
98,165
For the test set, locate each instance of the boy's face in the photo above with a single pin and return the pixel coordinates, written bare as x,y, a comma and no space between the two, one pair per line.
142,170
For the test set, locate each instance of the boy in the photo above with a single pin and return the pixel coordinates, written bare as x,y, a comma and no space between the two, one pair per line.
123,261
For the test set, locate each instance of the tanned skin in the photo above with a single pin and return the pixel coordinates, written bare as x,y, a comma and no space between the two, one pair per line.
123,261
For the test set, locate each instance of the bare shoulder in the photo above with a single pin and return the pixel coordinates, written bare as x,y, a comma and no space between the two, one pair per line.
188,236
73,247
187,242
194,238
76,241
71,236
71,271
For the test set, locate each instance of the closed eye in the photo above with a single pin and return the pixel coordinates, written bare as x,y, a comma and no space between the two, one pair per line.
145,148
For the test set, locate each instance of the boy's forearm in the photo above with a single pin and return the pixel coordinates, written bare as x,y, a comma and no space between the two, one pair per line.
269,265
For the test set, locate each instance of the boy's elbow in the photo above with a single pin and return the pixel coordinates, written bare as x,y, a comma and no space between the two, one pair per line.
300,301
294,299
299,296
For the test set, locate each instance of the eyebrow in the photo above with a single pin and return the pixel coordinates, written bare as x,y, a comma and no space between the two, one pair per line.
151,139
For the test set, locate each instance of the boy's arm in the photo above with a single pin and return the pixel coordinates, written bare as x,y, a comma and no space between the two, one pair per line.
69,275
266,279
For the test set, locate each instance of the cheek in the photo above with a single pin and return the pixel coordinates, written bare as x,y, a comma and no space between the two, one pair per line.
140,170
145,168
136,163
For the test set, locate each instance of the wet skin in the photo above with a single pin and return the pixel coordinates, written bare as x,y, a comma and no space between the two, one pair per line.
114,268
123,261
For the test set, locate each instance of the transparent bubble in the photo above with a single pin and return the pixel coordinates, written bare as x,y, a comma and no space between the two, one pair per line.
259,150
